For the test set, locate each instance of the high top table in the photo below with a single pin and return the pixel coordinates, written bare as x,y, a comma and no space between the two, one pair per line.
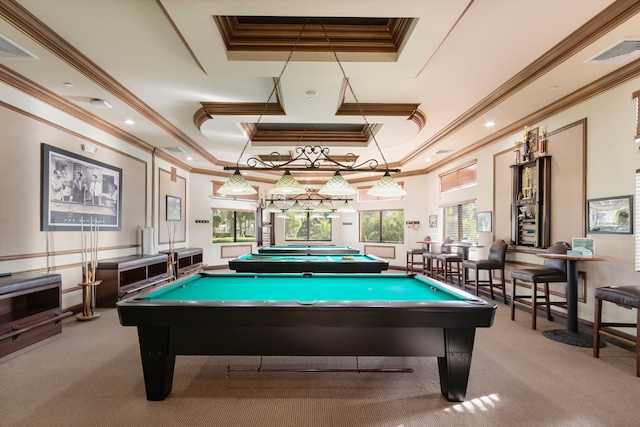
571,335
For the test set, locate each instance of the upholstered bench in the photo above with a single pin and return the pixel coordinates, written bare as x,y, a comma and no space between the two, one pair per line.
625,296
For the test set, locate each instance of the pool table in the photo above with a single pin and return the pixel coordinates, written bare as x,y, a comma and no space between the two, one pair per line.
309,314
300,263
308,249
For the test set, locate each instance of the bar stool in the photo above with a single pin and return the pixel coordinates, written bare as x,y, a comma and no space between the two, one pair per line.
426,247
431,258
624,296
450,265
495,261
552,271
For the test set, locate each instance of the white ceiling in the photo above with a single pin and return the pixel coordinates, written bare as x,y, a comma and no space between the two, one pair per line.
464,62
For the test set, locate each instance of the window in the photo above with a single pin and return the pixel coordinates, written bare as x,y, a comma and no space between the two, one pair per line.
303,226
637,220
464,176
460,221
233,226
382,226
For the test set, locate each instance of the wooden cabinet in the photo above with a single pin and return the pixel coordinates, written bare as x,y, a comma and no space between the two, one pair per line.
29,309
186,261
126,276
531,204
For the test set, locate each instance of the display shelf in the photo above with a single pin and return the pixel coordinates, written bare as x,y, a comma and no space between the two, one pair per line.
531,203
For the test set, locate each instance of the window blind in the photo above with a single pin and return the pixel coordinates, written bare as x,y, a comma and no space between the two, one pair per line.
636,96
464,176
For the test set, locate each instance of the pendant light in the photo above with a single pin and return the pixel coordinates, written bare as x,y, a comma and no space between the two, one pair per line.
237,185
287,184
387,187
337,186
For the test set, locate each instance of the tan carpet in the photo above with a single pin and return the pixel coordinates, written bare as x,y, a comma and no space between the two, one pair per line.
91,375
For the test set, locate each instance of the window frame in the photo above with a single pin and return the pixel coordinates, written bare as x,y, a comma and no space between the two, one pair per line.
308,226
233,233
381,229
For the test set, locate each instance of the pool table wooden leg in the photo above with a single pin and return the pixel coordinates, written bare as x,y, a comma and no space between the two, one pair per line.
455,365
157,364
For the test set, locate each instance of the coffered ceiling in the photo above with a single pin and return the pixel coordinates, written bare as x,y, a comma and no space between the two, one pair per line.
205,81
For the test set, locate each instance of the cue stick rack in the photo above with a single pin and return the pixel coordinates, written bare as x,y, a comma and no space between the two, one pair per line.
357,369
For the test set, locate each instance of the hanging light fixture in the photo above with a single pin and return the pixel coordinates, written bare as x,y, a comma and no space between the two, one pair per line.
317,158
287,184
271,207
322,207
316,215
387,187
296,207
337,186
346,207
333,214
237,185
282,215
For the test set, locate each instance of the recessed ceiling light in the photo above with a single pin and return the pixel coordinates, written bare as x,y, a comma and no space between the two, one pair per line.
490,123
428,159
129,121
553,87
189,158
244,172
68,84
311,94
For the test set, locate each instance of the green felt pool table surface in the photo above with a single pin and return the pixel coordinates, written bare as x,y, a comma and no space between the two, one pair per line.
317,287
300,263
309,249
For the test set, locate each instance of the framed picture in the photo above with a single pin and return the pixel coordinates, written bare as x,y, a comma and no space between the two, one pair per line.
532,140
77,191
484,222
583,244
611,215
174,208
433,221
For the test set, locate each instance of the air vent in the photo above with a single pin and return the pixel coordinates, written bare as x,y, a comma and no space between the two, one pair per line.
11,50
442,152
173,150
621,51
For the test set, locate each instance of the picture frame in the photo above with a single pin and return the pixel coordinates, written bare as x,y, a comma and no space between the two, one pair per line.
532,140
433,221
77,191
484,222
610,215
583,244
174,208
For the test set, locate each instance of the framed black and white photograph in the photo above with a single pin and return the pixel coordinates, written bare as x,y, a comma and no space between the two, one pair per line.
484,222
610,215
433,221
174,208
76,190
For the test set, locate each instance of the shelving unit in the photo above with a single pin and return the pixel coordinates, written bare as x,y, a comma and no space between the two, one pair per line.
29,309
126,276
531,205
186,261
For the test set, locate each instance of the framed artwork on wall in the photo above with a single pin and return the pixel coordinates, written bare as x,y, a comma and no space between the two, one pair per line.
610,215
174,208
433,221
77,191
484,222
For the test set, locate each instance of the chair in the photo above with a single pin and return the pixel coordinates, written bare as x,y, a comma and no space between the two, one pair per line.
552,271
446,271
494,261
426,247
627,297
430,258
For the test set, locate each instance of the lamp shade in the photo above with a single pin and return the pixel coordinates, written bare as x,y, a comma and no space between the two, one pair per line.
333,214
387,187
337,186
287,184
237,185
296,207
346,207
271,207
322,207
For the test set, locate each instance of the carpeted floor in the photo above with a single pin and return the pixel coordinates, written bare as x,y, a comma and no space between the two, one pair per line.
91,375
